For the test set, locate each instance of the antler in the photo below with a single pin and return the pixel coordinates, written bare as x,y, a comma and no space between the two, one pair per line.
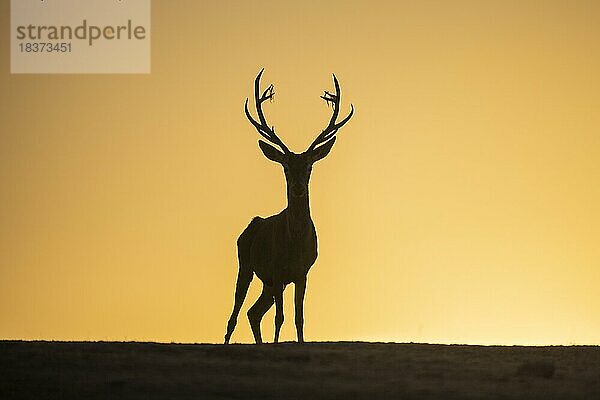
333,127
262,127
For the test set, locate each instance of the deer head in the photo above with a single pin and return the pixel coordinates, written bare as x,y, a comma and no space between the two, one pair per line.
297,167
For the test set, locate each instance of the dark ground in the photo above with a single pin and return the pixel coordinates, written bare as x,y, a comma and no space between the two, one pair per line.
105,370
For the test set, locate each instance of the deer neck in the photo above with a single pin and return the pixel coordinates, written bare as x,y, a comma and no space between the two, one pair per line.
298,212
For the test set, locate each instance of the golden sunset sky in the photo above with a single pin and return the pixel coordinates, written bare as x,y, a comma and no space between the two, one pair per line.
461,204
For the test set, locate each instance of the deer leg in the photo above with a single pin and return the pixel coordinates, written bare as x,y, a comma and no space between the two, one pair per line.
299,290
241,288
278,311
258,310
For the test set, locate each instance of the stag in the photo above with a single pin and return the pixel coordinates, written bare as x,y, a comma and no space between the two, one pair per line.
282,248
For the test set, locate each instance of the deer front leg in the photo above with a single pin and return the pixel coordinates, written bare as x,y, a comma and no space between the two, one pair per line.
299,289
278,311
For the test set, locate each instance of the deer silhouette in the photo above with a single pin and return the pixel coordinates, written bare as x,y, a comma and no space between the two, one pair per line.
282,248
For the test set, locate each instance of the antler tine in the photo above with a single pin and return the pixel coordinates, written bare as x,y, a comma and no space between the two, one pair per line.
332,127
262,127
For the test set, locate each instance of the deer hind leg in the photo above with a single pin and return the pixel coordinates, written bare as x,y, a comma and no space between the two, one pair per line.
278,296
241,288
258,310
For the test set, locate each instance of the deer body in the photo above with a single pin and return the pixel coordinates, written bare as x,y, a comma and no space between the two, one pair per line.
282,248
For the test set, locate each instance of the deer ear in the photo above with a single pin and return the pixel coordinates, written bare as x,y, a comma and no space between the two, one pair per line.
271,152
321,151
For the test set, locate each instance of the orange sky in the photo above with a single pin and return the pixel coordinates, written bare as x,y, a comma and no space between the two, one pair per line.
460,205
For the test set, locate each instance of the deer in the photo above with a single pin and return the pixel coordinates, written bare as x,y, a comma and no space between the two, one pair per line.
282,248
